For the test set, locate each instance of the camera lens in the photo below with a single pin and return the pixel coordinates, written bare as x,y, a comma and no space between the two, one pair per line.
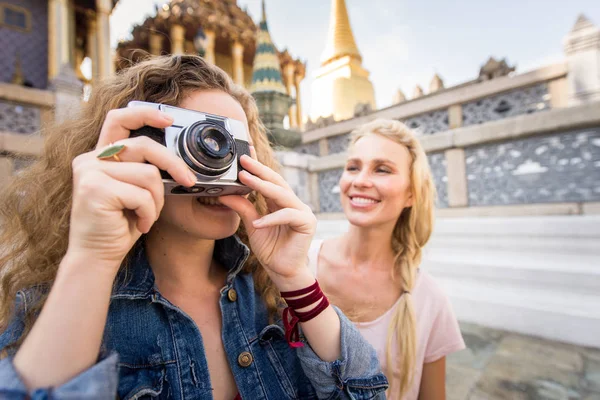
207,148
212,144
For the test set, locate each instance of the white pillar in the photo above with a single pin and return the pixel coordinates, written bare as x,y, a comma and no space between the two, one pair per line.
103,10
59,40
237,54
209,54
177,39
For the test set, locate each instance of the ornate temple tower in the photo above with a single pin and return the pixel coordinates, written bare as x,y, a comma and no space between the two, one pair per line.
341,83
267,84
220,31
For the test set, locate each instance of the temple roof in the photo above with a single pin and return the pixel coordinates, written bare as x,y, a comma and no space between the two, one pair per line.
266,75
224,17
340,40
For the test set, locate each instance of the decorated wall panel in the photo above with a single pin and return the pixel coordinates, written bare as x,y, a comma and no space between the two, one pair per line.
329,191
429,123
516,102
338,144
437,163
561,167
17,118
311,148
32,45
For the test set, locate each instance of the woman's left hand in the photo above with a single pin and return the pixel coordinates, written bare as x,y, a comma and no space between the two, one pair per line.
280,239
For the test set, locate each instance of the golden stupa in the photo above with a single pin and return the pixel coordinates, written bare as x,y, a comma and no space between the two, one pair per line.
341,83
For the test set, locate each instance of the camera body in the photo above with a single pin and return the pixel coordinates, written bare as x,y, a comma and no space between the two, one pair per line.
210,145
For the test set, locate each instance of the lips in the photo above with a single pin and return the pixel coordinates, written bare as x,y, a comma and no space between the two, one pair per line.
212,203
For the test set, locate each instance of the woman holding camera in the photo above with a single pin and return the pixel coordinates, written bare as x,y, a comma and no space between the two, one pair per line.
121,289
372,271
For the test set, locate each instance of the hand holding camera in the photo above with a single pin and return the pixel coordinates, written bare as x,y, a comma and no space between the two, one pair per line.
115,202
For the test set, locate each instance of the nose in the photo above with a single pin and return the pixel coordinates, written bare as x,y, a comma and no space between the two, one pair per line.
362,179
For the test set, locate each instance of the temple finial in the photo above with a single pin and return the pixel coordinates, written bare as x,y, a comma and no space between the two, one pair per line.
340,41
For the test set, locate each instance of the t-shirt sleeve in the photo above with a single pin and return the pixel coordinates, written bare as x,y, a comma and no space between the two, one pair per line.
445,337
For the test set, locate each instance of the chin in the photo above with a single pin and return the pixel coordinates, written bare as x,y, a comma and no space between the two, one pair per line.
214,228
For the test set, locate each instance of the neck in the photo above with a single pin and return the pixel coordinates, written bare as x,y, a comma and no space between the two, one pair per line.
369,246
180,261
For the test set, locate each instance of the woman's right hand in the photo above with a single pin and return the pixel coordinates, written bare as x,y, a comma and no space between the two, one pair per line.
115,202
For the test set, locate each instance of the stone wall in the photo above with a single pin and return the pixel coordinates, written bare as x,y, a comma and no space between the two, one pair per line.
561,167
31,46
19,118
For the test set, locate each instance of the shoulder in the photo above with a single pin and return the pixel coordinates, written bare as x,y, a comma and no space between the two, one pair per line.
430,296
313,255
429,286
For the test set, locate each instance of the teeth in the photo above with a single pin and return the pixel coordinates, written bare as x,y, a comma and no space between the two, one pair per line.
211,201
362,200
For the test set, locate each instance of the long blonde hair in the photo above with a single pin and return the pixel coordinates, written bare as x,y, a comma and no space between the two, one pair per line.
411,233
35,209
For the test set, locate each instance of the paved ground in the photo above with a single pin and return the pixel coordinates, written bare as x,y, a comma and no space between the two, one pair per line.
509,366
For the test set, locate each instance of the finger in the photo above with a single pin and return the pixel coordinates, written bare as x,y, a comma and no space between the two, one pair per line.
253,152
145,176
257,168
120,122
140,201
143,149
244,208
281,196
299,221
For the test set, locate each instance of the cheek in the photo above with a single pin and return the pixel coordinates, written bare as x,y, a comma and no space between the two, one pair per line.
344,183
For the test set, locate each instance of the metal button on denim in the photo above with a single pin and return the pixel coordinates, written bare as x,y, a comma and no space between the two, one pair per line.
232,295
245,359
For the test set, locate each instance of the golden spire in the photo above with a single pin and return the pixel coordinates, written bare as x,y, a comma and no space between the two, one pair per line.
340,40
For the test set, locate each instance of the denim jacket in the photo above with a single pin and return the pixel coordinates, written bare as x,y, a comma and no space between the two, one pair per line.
152,349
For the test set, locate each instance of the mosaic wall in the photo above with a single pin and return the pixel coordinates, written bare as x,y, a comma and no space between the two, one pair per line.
31,46
557,168
437,162
338,144
429,123
311,148
19,118
329,191
521,101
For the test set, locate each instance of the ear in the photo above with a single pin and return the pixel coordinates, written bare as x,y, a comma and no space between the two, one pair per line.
409,201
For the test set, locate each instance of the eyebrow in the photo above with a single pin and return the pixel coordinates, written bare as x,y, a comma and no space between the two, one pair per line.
375,160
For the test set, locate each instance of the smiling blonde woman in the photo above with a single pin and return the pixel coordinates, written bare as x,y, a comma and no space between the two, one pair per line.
372,271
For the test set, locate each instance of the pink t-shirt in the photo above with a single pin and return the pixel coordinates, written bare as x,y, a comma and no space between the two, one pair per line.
438,333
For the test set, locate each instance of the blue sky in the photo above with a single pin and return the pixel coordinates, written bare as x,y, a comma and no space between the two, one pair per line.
403,43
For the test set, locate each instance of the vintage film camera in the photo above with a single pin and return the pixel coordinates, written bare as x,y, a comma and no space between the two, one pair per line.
210,145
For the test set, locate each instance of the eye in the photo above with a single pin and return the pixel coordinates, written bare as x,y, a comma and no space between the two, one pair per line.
383,170
351,168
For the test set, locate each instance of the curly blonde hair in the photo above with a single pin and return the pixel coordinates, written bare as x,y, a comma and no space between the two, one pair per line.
35,208
411,233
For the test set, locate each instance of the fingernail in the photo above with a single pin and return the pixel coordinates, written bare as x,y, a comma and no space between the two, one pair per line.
192,177
258,223
166,117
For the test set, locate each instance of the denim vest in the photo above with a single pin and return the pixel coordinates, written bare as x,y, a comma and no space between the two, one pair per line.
152,349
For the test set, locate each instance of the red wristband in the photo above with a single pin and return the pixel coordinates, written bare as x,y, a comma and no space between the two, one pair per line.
291,317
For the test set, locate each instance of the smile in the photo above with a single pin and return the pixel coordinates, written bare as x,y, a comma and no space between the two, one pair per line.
363,200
